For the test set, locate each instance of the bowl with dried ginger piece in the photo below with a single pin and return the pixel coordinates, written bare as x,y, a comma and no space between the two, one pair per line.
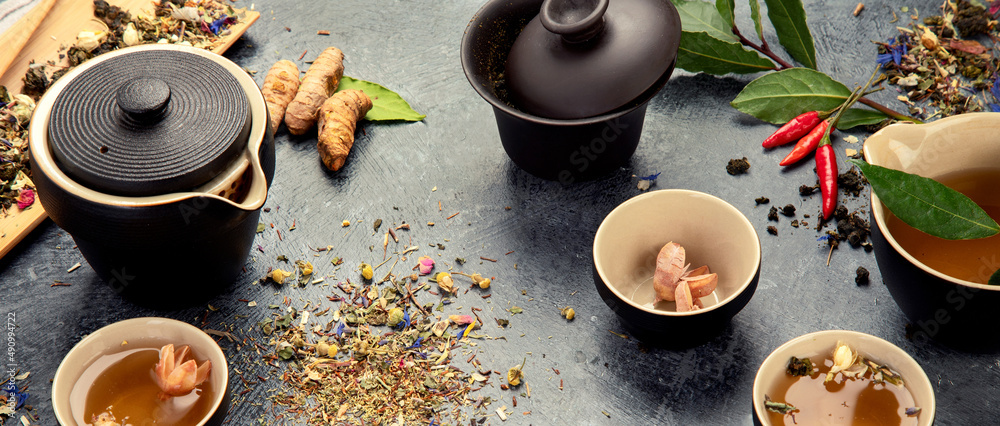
143,371
676,265
841,377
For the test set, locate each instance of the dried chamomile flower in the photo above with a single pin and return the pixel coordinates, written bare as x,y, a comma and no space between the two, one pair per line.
567,313
278,275
366,271
483,283
445,281
395,316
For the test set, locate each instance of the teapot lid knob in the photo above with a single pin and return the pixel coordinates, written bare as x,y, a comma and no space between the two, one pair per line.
143,98
575,20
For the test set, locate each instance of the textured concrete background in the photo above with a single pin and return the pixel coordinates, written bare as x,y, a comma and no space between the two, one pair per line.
690,133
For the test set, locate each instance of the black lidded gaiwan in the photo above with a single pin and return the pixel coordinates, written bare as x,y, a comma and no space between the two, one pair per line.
569,80
157,160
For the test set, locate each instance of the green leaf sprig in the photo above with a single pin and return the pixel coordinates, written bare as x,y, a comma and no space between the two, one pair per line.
929,206
386,104
712,43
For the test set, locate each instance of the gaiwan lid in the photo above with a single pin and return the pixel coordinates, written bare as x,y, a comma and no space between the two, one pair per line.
149,122
581,58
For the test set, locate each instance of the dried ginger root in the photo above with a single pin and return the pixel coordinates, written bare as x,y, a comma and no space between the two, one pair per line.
320,82
280,86
337,121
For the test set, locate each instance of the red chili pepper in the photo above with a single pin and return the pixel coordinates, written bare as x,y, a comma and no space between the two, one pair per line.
807,144
826,170
793,129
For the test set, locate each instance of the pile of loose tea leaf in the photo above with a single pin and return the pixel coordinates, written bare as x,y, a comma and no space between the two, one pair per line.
15,174
203,26
940,65
370,352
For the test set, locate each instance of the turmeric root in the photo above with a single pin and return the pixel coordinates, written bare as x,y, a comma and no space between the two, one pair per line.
280,86
338,119
321,81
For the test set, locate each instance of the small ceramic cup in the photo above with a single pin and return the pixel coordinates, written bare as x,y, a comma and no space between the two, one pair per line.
822,343
941,307
712,232
133,333
567,150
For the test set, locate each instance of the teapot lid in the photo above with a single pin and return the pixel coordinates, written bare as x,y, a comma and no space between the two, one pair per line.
149,122
581,58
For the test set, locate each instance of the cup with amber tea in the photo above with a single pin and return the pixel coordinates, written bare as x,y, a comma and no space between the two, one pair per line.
142,371
941,285
702,237
841,377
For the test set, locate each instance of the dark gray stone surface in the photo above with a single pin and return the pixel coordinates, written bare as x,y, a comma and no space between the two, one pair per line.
542,243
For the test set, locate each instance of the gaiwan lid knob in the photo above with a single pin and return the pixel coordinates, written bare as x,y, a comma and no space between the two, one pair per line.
581,58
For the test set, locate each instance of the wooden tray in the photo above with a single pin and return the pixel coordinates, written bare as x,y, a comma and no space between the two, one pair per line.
55,31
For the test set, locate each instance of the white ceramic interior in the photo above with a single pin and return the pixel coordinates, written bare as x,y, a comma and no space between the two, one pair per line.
109,339
712,232
960,142
232,183
821,343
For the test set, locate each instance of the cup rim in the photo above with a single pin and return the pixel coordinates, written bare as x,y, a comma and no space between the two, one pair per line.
63,385
879,210
627,204
927,413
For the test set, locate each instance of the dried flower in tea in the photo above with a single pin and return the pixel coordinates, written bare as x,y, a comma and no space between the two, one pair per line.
176,374
833,387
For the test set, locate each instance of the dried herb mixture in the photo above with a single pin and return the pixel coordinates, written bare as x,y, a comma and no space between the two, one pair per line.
942,66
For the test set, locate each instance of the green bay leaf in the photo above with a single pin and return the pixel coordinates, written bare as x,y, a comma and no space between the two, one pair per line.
700,52
727,9
855,117
755,15
698,16
789,20
780,96
928,205
995,278
386,104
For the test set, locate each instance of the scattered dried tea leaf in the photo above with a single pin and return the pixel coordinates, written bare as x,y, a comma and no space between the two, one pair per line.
516,374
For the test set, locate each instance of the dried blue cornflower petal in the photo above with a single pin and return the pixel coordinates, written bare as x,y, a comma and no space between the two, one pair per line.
651,177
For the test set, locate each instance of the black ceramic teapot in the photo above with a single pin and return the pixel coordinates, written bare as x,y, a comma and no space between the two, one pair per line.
157,160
